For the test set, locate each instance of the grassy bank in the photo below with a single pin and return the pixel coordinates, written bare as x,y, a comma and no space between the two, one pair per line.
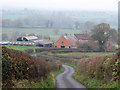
48,82
92,82
21,48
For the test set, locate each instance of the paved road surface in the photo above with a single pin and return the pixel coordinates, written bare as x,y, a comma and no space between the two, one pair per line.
65,80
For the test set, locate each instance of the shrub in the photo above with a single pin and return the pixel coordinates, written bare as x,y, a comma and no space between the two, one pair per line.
116,66
17,65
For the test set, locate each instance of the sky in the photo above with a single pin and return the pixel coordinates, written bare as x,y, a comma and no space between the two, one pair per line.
106,5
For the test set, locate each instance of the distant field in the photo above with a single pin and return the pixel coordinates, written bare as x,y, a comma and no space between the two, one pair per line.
20,48
47,32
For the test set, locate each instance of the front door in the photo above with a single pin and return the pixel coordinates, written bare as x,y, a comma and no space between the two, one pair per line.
62,46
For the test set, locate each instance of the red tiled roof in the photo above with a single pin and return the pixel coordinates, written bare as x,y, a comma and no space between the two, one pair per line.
82,36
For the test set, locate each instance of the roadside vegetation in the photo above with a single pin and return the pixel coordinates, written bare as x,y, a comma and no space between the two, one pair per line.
98,71
93,69
20,70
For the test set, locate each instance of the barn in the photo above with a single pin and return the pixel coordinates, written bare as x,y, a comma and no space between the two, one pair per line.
66,41
44,43
33,40
27,38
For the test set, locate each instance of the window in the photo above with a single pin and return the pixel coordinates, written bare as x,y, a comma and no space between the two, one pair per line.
69,47
62,42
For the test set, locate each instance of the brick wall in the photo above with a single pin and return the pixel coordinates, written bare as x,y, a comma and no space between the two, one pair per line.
59,43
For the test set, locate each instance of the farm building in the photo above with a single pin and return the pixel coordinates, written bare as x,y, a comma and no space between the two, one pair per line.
43,43
71,41
32,41
27,38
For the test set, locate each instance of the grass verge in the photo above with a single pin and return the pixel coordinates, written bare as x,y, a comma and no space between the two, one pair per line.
49,82
46,83
58,72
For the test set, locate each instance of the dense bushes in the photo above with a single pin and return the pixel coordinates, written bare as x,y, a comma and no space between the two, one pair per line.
17,65
105,68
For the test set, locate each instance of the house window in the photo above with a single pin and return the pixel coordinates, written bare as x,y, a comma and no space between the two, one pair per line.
55,46
69,47
62,42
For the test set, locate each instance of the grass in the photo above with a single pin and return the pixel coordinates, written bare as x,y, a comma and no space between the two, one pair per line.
92,82
21,48
49,82
47,32
58,72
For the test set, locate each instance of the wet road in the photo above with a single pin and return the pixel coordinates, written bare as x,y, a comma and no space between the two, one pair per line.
65,80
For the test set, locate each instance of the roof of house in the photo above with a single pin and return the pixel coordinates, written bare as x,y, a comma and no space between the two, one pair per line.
82,36
71,39
30,37
43,41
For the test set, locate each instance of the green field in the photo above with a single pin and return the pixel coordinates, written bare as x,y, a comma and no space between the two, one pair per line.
20,48
47,32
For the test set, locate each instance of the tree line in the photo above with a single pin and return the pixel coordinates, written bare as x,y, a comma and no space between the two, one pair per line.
46,21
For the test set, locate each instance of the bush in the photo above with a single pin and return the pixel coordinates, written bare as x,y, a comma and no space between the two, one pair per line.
116,66
56,66
29,51
97,66
17,65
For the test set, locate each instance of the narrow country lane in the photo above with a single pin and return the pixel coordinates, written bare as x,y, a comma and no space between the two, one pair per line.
65,80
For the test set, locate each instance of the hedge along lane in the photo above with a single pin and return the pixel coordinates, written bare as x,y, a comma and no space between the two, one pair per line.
65,80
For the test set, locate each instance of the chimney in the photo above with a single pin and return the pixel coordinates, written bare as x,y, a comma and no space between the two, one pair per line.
49,38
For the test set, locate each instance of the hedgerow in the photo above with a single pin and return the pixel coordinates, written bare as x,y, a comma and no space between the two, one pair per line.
17,65
105,68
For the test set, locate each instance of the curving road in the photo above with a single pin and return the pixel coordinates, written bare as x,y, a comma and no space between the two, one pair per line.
65,80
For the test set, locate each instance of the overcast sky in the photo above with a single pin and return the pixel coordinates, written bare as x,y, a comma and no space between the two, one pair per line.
109,5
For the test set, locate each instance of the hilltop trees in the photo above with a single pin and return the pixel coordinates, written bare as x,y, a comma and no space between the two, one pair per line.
103,33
